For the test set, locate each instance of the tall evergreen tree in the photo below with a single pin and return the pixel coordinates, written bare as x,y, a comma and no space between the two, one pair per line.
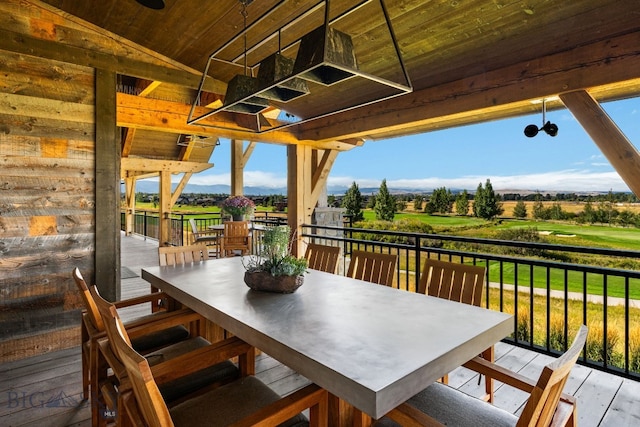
520,210
588,214
385,207
442,200
462,203
539,211
352,203
417,203
487,203
478,201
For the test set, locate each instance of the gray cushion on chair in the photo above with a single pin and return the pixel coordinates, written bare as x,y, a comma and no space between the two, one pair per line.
455,408
172,390
160,339
227,404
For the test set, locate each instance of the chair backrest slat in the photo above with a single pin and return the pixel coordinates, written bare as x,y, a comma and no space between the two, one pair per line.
373,267
452,281
322,257
236,231
176,255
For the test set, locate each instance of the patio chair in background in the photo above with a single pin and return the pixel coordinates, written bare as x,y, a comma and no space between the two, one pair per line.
236,237
246,401
440,404
460,283
208,237
373,267
322,257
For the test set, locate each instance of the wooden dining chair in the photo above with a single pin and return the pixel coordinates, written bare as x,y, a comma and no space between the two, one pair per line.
461,283
148,332
236,237
246,401
373,267
440,404
92,327
322,257
177,255
181,369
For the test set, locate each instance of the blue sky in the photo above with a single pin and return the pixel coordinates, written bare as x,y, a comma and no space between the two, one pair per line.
461,158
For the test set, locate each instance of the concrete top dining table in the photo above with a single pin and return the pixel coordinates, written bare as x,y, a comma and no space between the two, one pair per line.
372,346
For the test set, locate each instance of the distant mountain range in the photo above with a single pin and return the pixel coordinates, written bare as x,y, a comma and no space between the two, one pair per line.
152,187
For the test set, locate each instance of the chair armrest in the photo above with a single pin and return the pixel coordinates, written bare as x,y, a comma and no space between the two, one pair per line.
501,374
140,300
513,379
311,396
159,321
199,359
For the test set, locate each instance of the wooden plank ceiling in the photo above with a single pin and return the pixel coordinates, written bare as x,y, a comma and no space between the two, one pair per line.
468,60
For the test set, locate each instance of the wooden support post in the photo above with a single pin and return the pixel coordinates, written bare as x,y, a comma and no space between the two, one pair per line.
239,159
130,201
308,170
237,168
298,192
165,208
107,214
615,146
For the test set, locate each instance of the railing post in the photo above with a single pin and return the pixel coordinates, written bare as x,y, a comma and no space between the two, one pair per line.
418,246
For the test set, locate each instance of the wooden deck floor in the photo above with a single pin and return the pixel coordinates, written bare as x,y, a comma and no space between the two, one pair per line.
46,390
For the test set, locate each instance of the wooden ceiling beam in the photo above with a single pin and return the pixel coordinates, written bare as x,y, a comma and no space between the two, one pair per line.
90,57
155,166
127,141
615,146
321,169
604,63
168,116
147,86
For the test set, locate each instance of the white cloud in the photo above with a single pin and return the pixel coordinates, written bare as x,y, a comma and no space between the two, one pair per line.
567,180
251,179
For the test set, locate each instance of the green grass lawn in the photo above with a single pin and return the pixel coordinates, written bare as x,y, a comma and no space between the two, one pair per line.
591,235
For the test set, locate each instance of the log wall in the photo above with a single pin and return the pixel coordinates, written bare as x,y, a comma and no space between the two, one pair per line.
47,201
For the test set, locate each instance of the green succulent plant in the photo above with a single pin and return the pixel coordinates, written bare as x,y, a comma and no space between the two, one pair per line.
276,258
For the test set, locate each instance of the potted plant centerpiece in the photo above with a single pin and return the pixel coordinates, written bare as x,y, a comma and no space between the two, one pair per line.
239,207
275,270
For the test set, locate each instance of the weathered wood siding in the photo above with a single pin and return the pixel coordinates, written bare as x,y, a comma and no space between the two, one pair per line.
47,199
49,222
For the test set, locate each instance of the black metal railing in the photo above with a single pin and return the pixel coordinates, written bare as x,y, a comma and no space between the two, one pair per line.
146,224
549,299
